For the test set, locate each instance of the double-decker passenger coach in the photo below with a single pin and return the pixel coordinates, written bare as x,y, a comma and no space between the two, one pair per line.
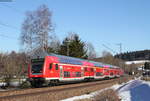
52,69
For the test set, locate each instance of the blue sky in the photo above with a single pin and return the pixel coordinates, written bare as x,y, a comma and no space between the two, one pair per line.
100,22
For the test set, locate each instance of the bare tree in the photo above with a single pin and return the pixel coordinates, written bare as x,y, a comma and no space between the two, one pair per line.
2,57
13,65
36,28
90,51
106,54
54,45
107,57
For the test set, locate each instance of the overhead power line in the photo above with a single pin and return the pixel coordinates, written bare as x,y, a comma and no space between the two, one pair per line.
13,9
9,37
109,48
9,26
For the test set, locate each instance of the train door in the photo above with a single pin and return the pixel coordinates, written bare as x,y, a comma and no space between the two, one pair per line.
61,72
106,72
91,71
111,73
54,70
82,71
86,73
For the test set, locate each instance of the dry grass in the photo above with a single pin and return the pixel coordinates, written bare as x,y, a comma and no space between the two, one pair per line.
107,95
146,78
124,79
84,100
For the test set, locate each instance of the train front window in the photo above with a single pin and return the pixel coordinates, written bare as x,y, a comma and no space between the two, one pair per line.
37,66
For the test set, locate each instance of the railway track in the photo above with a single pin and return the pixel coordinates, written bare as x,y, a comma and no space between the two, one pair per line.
18,94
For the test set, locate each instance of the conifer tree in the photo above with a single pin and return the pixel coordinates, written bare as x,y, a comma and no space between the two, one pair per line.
73,46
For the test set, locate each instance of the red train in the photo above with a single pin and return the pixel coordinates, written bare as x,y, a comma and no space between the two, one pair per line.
53,69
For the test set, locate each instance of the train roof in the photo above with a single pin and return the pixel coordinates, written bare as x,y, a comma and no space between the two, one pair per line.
71,60
67,59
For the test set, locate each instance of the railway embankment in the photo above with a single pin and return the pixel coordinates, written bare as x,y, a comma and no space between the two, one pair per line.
58,92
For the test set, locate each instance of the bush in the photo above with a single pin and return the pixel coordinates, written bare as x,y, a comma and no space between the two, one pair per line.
107,95
83,100
145,78
123,80
25,84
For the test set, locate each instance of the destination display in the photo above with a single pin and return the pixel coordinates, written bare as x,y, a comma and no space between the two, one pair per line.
37,60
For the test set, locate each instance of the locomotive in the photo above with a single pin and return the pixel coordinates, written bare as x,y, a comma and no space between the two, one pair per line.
52,69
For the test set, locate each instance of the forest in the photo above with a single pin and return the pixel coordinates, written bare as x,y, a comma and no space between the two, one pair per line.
134,55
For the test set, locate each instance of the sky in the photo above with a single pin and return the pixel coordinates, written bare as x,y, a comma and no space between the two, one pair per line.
100,22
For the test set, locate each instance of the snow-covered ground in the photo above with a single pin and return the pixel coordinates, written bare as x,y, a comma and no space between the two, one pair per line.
134,90
84,96
14,84
115,87
2,83
136,62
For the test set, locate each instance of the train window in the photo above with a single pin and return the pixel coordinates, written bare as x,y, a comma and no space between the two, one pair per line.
66,74
50,66
99,74
92,69
56,67
106,71
111,73
78,74
85,69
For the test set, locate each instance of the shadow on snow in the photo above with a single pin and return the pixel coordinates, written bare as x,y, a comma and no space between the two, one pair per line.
140,93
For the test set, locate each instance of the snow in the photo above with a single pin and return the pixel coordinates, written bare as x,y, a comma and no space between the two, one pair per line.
134,90
14,84
125,96
129,85
115,87
136,62
2,83
78,97
85,96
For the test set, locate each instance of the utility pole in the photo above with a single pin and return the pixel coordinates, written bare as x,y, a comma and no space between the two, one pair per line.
67,48
120,47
